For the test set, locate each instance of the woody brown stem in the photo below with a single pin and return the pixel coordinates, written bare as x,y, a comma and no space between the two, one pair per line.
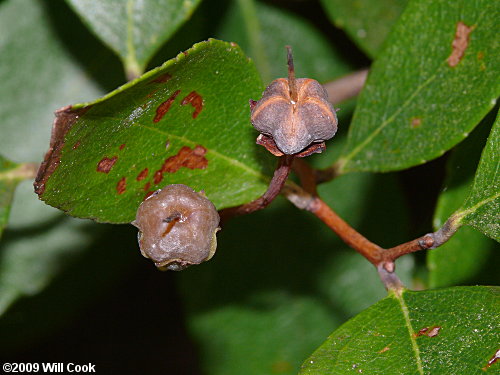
382,259
427,241
348,234
275,185
306,175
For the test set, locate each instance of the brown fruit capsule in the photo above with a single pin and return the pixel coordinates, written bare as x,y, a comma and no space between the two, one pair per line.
295,113
177,227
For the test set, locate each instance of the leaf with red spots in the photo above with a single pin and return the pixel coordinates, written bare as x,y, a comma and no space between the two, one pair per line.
431,84
185,122
442,331
135,30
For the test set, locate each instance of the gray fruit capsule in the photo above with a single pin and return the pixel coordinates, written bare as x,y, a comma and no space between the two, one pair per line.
177,227
294,125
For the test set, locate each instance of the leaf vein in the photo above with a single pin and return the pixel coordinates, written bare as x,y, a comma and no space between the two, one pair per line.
413,341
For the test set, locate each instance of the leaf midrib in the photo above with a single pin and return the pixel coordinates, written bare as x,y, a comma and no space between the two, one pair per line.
404,309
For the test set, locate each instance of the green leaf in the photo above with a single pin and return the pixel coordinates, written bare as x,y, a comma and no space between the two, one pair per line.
262,31
366,22
184,122
482,208
9,178
135,30
467,250
427,90
444,331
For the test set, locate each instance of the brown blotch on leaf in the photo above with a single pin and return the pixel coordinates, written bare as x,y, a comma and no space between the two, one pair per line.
459,44
122,146
162,79
105,165
428,331
142,175
165,106
121,186
492,360
76,145
384,350
147,186
195,100
416,122
65,118
186,157
158,177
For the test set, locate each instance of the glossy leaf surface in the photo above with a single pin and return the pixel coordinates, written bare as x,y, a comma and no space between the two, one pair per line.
461,257
134,29
442,331
367,22
435,80
482,208
185,122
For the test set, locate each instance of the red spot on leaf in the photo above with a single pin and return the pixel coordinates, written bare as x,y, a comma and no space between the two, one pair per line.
162,79
428,331
195,100
165,106
415,122
384,350
187,158
142,175
122,146
150,95
147,186
459,44
158,177
76,145
121,186
105,165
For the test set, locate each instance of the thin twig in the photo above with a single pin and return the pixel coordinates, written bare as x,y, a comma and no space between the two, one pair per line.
348,234
427,241
275,185
306,175
346,87
382,259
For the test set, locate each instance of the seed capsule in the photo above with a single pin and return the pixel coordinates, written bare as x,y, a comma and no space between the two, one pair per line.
295,113
177,227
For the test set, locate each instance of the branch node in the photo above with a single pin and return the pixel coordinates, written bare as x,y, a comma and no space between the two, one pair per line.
427,241
389,266
390,280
